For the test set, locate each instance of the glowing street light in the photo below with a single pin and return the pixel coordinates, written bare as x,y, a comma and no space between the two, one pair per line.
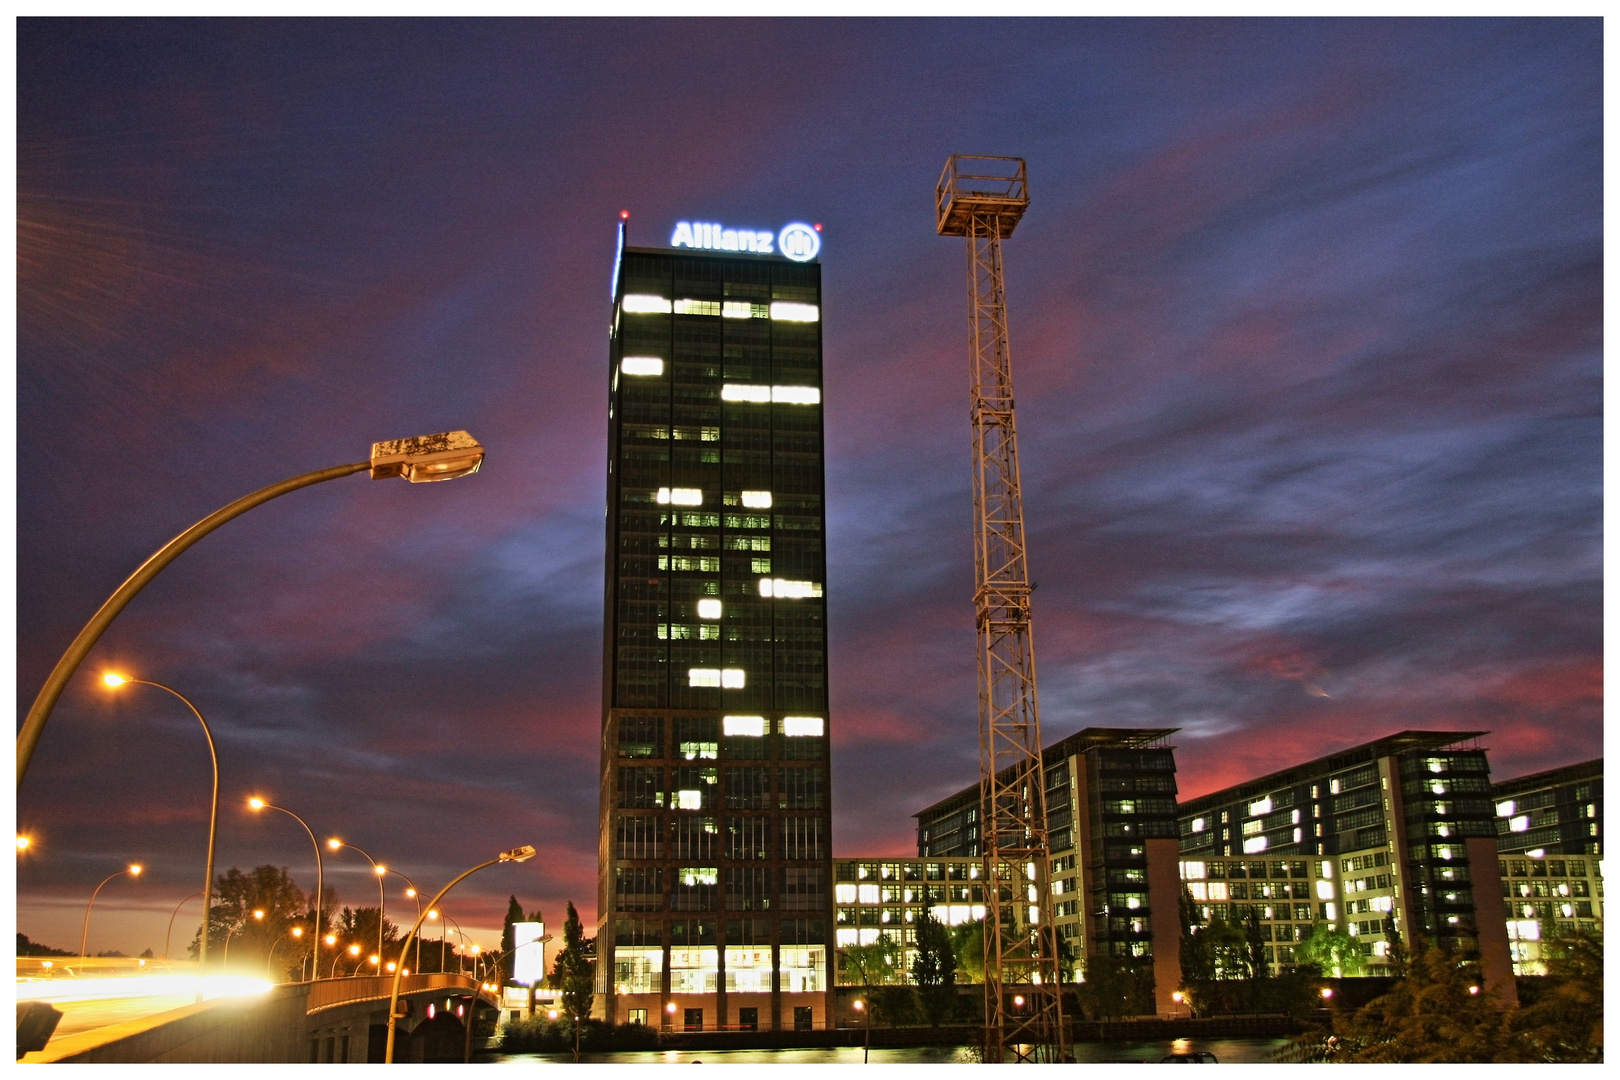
515,855
256,804
381,871
425,458
23,842
134,871
114,680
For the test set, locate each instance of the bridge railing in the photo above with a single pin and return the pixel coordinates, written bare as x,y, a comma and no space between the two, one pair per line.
328,993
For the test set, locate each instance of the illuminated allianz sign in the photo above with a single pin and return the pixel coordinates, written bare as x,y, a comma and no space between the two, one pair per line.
797,241
528,952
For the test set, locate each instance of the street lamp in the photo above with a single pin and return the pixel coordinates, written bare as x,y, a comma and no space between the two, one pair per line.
168,937
516,855
297,934
226,959
114,681
866,1050
410,893
133,870
444,456
22,844
260,804
381,871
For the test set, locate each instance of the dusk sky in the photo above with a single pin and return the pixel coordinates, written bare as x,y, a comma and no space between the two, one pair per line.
1306,326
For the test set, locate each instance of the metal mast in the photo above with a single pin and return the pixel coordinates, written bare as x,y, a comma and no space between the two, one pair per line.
982,198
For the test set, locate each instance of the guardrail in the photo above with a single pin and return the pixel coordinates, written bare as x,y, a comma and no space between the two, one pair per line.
330,993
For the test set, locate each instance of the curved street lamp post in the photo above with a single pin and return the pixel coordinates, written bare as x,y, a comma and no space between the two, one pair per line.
169,937
315,966
516,855
444,456
376,868
133,870
114,680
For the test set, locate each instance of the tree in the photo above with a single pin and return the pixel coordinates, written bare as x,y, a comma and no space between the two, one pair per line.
358,926
874,964
1565,1022
934,969
1332,951
236,897
573,973
1439,1012
1115,986
514,914
34,948
967,942
1197,962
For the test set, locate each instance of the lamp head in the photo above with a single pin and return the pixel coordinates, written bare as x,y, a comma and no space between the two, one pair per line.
354,950
334,843
135,869
433,913
860,1006
23,842
297,931
379,870
410,892
256,804
112,679
258,914
476,950
518,854
426,458
331,939
373,959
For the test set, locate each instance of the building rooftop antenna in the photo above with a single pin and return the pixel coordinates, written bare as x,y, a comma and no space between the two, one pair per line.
983,199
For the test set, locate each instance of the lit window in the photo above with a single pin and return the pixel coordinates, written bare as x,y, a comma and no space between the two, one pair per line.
699,676
732,678
1520,823
781,309
843,894
1324,890
782,395
757,499
1330,911
1192,870
743,725
1294,817
697,307
641,304
708,609
788,590
681,496
797,726
1298,835
689,800
847,936
1254,844
1217,891
699,875
1261,807
1199,824
641,365
743,309
868,894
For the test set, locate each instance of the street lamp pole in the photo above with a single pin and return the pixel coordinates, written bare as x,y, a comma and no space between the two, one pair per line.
315,967
427,457
516,855
381,871
133,870
115,681
167,938
416,895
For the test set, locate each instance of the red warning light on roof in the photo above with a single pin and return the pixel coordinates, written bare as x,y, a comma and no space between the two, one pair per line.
624,215
818,226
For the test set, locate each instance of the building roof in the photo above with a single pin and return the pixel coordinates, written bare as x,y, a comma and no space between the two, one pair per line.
1388,746
1564,774
1090,738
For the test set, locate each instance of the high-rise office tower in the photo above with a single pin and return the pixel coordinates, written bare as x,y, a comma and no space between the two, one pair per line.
715,860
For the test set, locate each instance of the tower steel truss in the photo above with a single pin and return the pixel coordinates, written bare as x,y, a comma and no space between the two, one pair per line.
982,199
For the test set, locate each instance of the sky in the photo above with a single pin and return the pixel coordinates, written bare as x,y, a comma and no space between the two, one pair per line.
1306,334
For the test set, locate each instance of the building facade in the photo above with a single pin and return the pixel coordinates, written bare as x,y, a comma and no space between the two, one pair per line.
714,895
1559,811
1402,832
884,898
1111,819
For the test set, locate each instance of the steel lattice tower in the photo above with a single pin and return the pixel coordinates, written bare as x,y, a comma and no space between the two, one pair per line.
982,199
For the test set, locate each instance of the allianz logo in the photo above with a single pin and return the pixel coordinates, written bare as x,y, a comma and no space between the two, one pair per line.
797,241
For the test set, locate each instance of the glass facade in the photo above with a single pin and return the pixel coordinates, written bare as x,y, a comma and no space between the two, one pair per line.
715,823
1559,811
